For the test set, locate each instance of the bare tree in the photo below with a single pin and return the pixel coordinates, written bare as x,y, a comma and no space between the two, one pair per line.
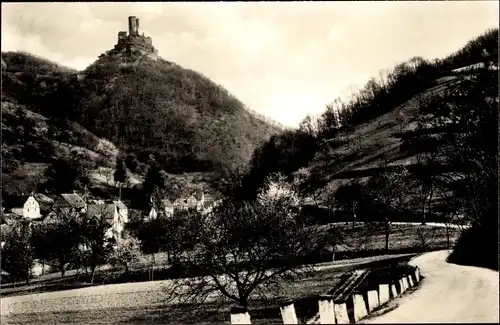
246,249
387,196
93,231
125,253
425,236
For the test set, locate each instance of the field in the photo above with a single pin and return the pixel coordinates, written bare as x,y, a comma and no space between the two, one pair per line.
403,238
144,303
359,153
358,243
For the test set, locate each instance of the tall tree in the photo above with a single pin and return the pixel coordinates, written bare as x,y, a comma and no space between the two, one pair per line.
17,253
152,236
57,241
120,175
244,248
66,175
348,197
387,195
94,235
153,178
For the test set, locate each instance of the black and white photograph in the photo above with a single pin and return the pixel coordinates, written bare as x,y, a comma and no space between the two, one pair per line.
294,162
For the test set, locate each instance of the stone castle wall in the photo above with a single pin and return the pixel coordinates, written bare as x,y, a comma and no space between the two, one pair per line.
134,44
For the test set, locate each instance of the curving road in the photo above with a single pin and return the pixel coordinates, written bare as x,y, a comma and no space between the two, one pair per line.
449,293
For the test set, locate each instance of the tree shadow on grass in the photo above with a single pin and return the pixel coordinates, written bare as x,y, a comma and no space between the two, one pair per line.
261,311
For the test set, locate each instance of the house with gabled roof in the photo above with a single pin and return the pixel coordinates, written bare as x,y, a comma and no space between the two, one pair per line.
115,212
31,206
70,201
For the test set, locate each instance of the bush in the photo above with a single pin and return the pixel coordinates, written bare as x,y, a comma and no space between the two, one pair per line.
478,246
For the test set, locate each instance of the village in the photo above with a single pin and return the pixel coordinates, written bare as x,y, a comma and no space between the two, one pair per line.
37,208
283,176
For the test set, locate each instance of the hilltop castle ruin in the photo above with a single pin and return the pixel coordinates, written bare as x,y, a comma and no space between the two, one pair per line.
133,45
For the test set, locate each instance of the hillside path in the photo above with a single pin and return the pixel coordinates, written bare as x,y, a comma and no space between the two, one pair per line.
449,293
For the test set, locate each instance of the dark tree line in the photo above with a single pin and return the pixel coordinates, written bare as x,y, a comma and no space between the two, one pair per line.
466,118
284,153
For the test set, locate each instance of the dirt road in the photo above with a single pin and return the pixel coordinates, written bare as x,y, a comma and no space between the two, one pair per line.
449,293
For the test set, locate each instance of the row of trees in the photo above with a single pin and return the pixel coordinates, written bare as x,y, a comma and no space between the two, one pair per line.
71,240
400,193
240,249
459,132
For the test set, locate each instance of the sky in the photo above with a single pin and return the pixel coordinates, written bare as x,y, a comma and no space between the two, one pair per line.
283,60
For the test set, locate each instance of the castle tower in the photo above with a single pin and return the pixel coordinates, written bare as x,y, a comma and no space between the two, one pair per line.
122,36
133,26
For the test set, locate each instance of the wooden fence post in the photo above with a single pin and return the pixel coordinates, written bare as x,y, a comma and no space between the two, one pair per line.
401,286
373,300
394,291
417,274
405,283
341,315
410,280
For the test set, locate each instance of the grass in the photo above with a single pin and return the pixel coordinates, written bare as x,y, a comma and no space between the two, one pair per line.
359,243
147,307
403,238
370,145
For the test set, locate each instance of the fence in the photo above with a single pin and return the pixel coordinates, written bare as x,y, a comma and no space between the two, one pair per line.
345,305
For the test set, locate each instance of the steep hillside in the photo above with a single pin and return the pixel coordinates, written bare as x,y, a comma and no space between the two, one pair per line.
370,132
190,123
359,153
130,101
30,140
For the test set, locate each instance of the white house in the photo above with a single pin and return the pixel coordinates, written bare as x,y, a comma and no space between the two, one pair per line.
31,208
197,201
166,208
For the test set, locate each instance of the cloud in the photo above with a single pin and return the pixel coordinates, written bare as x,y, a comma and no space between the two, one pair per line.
282,59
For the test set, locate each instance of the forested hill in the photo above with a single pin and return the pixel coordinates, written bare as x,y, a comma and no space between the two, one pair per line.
147,108
355,138
191,123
